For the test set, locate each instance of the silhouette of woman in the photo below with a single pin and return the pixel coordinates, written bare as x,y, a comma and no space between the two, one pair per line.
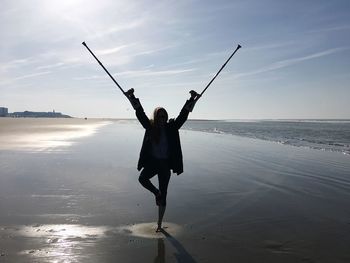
161,148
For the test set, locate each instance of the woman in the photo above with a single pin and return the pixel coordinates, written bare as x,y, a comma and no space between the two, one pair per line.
161,148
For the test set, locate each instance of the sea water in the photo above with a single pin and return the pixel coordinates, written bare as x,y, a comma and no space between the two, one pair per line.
331,135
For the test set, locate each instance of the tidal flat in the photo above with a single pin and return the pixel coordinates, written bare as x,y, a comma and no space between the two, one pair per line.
69,192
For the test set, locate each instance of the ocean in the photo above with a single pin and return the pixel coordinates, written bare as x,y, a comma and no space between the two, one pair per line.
330,135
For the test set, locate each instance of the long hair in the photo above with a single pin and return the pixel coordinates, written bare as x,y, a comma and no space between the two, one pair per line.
155,123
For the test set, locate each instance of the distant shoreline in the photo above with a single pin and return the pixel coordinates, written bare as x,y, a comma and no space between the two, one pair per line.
34,114
60,115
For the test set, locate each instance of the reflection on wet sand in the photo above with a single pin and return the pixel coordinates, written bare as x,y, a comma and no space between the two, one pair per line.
78,243
167,233
160,258
181,253
148,230
44,135
63,242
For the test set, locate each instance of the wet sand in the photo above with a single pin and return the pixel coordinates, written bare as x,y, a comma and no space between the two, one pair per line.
44,133
239,199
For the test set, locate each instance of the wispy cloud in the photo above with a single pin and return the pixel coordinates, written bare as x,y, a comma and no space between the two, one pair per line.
121,27
16,63
25,62
56,65
93,77
154,50
10,81
331,29
141,73
137,73
31,75
269,46
111,50
290,62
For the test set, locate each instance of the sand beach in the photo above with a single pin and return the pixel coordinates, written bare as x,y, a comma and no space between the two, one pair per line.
69,192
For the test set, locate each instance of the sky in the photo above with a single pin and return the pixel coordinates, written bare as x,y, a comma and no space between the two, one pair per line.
294,62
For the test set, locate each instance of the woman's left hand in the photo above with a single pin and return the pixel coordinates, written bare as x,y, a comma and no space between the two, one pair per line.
194,95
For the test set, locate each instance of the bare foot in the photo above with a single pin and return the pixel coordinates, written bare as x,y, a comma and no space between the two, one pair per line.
159,229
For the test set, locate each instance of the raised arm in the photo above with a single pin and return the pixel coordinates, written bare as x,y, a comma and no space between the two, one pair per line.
186,109
140,114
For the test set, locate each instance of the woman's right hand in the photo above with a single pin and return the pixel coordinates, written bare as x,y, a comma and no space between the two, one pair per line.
130,94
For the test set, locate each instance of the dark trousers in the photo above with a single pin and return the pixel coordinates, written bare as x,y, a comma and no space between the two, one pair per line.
161,168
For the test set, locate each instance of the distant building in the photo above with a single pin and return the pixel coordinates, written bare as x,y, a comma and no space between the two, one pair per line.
3,111
33,114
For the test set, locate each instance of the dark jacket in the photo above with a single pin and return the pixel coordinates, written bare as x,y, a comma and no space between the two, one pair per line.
172,131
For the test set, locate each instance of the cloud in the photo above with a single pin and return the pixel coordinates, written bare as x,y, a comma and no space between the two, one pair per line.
331,29
270,46
9,81
136,74
31,75
141,73
154,50
121,27
42,59
290,62
17,63
56,65
111,50
93,77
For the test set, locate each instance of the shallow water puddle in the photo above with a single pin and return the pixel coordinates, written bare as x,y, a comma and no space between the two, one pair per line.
57,241
148,230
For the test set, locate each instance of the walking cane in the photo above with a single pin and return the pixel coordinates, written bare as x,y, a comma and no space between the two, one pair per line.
238,47
99,62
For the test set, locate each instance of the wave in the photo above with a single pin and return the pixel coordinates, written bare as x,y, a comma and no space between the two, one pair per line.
284,137
291,120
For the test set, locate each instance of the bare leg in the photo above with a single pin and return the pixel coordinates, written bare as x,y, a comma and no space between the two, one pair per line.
144,178
161,211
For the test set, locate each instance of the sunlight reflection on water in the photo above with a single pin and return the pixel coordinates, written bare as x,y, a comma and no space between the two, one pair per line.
61,242
49,138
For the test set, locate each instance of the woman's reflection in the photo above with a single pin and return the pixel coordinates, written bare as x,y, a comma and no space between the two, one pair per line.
160,258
